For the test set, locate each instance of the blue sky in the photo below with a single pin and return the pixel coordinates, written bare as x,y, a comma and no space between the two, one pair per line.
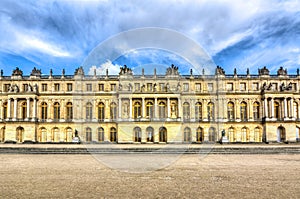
61,34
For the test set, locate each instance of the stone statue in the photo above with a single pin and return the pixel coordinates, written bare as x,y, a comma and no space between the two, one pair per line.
120,87
129,87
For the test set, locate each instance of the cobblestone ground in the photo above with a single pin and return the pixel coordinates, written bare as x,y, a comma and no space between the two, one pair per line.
191,176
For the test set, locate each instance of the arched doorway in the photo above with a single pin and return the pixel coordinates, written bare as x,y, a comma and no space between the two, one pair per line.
55,135
113,134
42,136
68,134
281,136
162,134
199,135
150,134
137,134
212,134
100,134
187,135
20,134
231,134
257,135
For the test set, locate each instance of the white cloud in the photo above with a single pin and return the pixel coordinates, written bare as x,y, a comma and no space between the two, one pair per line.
113,69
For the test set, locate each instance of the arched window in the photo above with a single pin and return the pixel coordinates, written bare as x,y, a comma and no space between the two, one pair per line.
44,111
198,111
295,110
137,134
162,110
24,110
113,134
42,137
210,111
245,135
150,134
20,134
276,110
88,134
174,109
186,110
4,110
149,110
231,135
113,111
68,134
55,135
89,111
162,134
137,110
187,137
257,135
255,110
243,108
212,134
230,111
2,134
281,136
199,134
101,111
69,111
56,111
100,134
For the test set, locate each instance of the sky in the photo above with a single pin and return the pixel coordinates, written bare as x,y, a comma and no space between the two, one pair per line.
234,33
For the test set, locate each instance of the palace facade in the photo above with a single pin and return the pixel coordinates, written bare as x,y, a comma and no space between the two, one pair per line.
170,108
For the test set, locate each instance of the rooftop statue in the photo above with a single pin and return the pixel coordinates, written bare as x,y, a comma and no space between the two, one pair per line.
17,72
173,70
125,71
36,72
79,71
220,71
263,71
281,71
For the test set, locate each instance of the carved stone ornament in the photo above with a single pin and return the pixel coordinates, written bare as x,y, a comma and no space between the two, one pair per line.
79,71
263,71
17,72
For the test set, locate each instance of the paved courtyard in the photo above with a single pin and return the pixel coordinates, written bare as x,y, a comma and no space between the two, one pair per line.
187,176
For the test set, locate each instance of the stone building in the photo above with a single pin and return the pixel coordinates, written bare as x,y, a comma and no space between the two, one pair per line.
128,108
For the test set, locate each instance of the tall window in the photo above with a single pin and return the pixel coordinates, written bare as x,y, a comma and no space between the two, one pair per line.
162,134
56,111
256,110
101,87
89,111
199,134
210,111
231,135
44,111
243,111
69,111
113,110
212,134
137,134
245,135
4,110
150,134
56,87
88,132
69,86
187,137
162,110
44,87
276,110
186,110
113,134
89,87
24,110
101,111
149,110
137,110
257,135
198,111
100,134
230,111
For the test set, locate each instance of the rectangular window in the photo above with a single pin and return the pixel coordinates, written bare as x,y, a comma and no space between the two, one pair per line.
89,87
255,86
56,87
69,87
137,87
6,87
149,87
113,87
25,87
242,86
186,87
162,87
210,87
198,87
101,87
229,87
44,87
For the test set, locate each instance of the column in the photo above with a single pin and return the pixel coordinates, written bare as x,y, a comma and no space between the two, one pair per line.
168,108
1,109
292,108
8,108
237,109
34,108
120,108
130,108
156,108
143,108
272,107
180,108
28,108
224,108
15,108
248,108
204,109
285,107
266,107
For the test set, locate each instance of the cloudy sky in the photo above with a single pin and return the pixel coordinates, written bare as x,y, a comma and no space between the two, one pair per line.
234,33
